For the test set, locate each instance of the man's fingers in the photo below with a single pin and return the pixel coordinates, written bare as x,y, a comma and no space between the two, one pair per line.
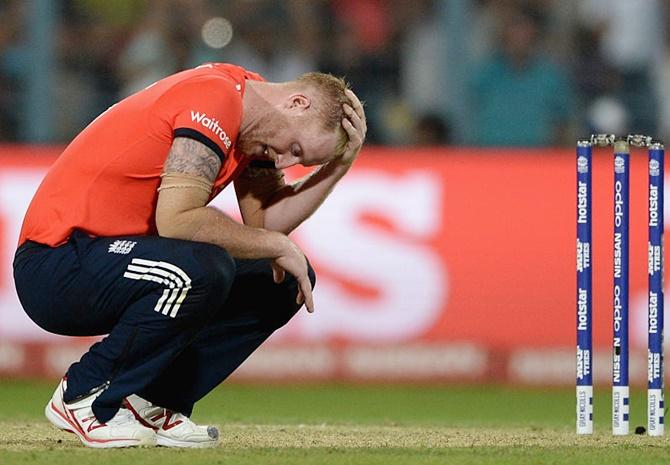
352,133
355,119
357,109
305,294
355,103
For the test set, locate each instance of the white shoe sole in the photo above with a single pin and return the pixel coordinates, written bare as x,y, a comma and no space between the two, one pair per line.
60,421
169,442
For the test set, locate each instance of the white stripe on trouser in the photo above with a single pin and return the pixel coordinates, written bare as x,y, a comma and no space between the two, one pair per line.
176,281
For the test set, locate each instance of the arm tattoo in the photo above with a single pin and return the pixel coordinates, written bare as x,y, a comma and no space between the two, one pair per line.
188,156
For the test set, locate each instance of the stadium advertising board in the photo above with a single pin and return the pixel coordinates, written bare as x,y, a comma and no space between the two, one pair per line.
437,264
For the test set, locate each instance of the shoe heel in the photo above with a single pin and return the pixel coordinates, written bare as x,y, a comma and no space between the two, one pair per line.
55,419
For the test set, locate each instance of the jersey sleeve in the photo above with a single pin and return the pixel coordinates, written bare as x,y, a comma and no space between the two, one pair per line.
208,110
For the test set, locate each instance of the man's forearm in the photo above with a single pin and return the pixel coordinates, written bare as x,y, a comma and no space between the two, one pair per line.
296,202
208,224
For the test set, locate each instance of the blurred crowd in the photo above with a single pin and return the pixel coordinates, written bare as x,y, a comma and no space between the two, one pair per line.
432,72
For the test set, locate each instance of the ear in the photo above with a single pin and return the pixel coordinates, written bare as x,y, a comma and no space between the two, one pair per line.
299,102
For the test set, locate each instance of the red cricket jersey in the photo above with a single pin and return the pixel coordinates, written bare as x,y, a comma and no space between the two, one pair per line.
105,182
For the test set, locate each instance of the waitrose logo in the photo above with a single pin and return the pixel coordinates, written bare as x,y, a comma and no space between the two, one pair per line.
211,124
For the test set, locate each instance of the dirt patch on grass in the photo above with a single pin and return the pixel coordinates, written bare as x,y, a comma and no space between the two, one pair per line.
37,435
40,436
296,436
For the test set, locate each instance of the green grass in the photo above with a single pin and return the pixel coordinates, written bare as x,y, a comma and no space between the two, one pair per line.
343,424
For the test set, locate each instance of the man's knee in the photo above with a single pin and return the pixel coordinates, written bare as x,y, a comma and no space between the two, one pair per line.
215,270
202,277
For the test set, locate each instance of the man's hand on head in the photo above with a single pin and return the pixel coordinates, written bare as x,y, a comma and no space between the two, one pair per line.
355,126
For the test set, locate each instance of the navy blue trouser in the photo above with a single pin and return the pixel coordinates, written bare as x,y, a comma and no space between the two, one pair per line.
180,316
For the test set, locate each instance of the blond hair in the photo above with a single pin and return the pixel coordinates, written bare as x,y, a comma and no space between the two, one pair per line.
329,106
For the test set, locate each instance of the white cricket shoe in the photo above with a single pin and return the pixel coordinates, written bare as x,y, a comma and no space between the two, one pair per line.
173,429
77,417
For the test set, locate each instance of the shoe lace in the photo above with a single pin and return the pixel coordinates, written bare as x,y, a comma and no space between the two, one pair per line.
176,417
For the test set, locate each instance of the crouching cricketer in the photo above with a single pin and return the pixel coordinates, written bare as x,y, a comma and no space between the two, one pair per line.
119,240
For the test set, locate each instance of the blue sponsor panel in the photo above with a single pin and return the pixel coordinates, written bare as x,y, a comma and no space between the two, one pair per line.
584,290
655,301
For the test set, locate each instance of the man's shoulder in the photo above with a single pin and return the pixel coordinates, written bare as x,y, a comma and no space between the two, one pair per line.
196,78
237,72
207,81
198,86
222,72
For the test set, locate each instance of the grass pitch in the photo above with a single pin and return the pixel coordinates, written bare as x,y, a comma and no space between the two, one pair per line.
339,424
